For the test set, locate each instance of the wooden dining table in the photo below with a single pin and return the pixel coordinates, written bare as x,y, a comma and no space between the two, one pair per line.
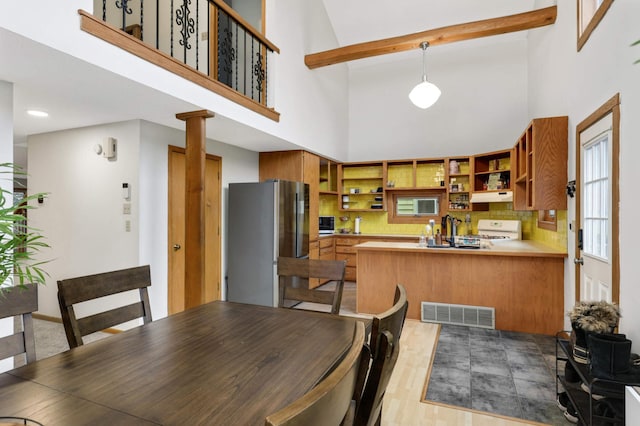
221,363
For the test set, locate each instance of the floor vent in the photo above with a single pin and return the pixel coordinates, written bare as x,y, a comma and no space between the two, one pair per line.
446,313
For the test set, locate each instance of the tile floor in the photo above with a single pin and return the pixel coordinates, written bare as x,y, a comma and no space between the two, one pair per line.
506,373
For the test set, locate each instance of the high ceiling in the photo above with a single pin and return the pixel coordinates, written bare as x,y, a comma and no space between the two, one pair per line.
356,21
69,90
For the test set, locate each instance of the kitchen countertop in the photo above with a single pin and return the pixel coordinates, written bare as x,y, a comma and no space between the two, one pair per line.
389,236
503,248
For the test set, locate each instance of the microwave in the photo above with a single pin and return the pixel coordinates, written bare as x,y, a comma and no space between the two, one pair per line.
327,224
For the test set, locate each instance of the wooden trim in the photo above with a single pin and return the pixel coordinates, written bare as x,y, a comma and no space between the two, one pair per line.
593,23
449,34
255,33
117,37
393,194
611,106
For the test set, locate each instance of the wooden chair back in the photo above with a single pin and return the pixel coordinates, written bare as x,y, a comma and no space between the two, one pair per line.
391,320
327,403
304,269
385,348
369,409
81,289
20,301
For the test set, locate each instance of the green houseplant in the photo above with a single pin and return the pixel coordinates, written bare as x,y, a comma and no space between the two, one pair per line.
18,241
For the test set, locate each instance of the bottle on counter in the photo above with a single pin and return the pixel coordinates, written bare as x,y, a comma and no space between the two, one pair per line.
438,238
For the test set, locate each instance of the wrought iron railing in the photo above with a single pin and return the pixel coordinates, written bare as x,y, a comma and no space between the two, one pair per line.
207,35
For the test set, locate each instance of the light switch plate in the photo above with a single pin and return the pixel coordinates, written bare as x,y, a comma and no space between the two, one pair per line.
126,208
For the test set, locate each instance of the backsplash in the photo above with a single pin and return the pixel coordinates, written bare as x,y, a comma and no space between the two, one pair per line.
376,223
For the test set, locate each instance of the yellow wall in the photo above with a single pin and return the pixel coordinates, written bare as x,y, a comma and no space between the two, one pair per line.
376,222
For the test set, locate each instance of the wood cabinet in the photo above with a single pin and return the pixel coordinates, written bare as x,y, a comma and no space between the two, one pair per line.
298,166
361,186
346,251
540,165
526,288
459,178
328,177
314,253
492,171
327,248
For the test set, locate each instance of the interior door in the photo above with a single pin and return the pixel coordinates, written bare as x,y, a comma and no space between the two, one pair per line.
597,264
212,190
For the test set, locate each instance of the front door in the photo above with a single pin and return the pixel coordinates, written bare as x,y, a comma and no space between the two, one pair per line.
212,190
597,263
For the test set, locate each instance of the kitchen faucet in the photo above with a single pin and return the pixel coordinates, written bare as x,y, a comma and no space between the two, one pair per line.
453,222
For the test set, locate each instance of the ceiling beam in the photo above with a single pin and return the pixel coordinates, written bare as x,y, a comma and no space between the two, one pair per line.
459,32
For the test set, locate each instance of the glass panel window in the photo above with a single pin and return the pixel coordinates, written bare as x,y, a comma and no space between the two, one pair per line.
417,206
596,196
590,13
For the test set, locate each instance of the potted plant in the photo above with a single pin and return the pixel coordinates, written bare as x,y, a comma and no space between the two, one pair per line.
18,241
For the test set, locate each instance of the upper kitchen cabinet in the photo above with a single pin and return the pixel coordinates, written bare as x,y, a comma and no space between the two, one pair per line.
361,186
415,174
459,177
297,166
328,178
492,171
540,165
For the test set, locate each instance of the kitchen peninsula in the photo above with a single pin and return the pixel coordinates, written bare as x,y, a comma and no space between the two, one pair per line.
522,280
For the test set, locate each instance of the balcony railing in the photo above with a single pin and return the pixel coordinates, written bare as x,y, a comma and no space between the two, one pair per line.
206,35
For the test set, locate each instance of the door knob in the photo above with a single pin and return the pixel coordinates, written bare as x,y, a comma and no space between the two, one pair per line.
176,247
578,261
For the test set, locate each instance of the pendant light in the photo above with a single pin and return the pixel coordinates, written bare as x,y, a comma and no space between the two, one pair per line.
424,94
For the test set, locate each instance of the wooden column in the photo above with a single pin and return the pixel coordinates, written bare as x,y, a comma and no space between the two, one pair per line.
195,157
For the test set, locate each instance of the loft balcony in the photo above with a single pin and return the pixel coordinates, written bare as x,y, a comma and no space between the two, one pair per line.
204,41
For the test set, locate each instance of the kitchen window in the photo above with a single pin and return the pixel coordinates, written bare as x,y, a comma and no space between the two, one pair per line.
414,206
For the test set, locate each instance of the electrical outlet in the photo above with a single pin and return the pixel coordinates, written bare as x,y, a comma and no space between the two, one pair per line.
205,36
126,208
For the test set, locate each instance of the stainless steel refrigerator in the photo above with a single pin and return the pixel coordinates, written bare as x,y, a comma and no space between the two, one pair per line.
265,220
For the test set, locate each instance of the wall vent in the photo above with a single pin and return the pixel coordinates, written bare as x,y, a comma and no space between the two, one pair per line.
446,313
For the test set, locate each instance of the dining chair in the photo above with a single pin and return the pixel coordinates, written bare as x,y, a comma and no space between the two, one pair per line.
19,301
391,320
327,403
81,289
385,347
298,290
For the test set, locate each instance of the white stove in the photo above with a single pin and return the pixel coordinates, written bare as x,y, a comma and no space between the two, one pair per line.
491,231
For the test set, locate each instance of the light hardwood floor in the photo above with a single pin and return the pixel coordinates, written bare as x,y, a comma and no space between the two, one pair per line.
402,404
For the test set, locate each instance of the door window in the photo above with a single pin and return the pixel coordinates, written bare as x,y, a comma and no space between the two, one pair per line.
596,196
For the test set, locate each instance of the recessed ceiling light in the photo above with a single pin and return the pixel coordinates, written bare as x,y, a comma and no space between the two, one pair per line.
37,113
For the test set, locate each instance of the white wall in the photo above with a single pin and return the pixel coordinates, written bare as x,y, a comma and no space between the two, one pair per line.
82,218
483,106
564,81
313,103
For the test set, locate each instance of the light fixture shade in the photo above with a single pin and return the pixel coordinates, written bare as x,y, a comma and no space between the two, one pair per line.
424,94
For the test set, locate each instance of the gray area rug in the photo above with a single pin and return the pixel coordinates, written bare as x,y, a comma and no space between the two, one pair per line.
499,372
